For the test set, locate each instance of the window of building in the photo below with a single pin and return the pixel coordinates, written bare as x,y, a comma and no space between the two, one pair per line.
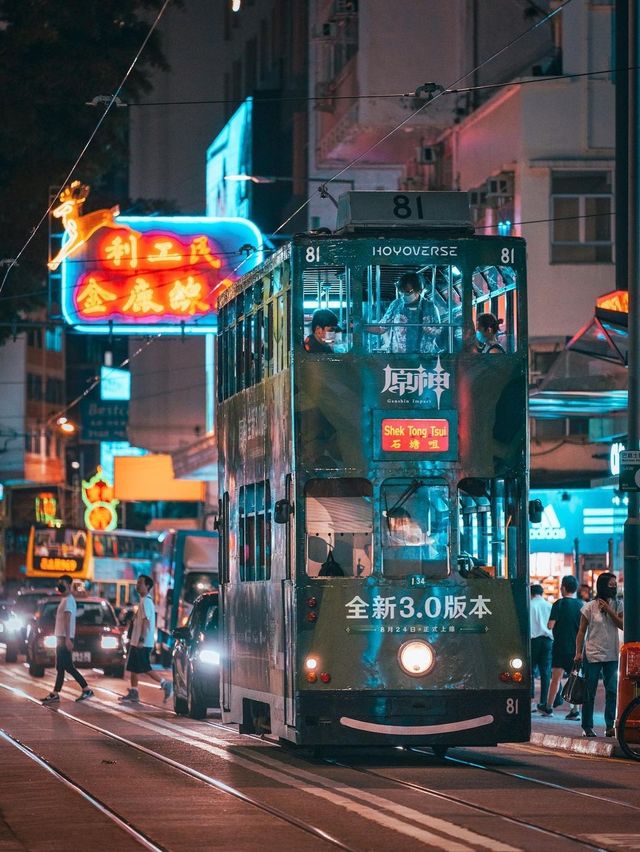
327,310
339,527
414,528
581,208
34,386
254,531
495,292
428,320
34,338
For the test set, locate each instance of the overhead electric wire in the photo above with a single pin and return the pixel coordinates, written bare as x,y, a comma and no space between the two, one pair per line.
335,177
432,100
85,147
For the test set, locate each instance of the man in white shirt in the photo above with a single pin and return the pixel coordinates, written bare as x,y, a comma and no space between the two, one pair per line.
541,642
143,634
65,631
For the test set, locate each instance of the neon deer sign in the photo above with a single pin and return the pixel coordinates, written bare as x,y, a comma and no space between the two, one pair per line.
79,228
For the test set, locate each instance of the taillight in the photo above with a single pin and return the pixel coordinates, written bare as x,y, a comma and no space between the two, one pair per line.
506,677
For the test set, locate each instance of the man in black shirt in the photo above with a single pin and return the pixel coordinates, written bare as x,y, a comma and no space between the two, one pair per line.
564,621
324,325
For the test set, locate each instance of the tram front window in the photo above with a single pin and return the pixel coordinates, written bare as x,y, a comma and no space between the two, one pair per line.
339,527
410,309
414,525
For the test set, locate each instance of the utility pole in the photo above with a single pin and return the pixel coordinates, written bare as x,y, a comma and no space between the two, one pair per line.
631,214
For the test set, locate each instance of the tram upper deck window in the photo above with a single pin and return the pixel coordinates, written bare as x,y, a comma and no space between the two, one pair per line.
415,528
327,310
487,527
495,294
339,527
412,309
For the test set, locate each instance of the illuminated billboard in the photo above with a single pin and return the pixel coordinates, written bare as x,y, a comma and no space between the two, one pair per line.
152,274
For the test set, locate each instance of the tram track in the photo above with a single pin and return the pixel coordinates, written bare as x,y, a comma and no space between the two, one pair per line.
414,824
136,833
216,783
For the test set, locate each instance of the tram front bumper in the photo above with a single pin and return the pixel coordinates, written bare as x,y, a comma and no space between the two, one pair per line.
485,717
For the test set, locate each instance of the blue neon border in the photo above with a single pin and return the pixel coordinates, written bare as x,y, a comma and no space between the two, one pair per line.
149,223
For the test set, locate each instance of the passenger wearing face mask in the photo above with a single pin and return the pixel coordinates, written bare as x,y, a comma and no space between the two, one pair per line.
324,325
65,631
411,323
600,620
487,326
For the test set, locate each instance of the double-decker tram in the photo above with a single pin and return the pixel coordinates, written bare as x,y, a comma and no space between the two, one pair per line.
373,481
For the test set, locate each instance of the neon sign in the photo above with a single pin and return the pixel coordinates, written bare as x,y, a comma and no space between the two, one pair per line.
149,274
97,496
617,300
415,436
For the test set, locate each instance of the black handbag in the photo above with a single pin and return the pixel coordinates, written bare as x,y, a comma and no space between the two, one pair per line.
574,691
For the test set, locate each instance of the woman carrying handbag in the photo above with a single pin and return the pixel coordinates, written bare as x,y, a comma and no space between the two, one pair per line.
597,637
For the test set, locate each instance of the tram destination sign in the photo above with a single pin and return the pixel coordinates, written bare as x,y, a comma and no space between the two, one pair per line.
415,436
403,210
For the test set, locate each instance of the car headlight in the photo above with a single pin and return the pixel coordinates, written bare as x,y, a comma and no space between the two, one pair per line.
107,642
416,658
14,623
49,642
209,657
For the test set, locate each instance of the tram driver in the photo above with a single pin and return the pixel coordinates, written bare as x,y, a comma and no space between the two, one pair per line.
411,323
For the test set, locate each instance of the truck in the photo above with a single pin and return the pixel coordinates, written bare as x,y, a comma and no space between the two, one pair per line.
187,568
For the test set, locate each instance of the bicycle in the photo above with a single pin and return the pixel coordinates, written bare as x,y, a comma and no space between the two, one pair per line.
629,728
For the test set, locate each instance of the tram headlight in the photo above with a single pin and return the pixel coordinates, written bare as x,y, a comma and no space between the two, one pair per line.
416,658
209,657
516,663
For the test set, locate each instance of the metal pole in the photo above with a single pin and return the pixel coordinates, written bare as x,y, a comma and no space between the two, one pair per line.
621,78
632,524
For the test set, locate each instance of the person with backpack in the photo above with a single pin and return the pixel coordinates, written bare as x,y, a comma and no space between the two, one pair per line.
411,323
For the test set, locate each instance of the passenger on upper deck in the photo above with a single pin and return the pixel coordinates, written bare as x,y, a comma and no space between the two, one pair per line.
324,325
410,323
487,326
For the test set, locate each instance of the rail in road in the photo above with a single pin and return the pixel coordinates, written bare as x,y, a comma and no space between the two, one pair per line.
249,793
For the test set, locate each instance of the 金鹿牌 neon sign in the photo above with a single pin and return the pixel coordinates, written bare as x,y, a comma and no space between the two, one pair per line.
415,436
149,274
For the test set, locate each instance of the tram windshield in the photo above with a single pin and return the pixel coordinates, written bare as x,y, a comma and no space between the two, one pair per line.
414,524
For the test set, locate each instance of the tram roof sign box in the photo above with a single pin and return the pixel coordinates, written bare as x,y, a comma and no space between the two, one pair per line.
406,210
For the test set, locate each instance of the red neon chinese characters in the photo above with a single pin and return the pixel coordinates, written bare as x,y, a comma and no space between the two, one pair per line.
415,436
153,275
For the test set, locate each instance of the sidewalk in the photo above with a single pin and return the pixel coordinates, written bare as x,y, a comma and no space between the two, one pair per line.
555,732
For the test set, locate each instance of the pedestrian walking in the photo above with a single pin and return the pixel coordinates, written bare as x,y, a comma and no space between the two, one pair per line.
564,622
65,632
541,642
143,633
597,650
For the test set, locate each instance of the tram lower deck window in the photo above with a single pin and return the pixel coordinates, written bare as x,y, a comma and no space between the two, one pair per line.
339,527
415,528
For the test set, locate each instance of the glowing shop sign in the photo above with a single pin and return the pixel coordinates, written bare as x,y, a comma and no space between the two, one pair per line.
617,300
415,436
148,274
97,496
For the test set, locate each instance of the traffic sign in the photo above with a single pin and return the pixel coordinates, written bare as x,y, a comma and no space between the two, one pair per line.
630,470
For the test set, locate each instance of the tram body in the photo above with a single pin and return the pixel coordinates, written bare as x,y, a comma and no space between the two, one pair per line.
418,636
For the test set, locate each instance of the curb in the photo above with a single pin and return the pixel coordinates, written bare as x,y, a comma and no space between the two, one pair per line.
589,746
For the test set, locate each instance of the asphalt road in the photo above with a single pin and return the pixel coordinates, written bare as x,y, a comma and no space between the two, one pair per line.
100,776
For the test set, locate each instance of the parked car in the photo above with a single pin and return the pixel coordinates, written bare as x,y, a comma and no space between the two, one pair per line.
98,642
22,611
9,626
196,660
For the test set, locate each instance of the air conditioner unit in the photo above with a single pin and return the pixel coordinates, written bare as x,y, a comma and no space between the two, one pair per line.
426,155
345,8
499,187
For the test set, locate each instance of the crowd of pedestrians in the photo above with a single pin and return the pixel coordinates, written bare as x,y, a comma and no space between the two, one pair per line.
576,633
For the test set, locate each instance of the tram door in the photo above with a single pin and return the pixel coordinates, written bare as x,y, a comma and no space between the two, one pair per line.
289,617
